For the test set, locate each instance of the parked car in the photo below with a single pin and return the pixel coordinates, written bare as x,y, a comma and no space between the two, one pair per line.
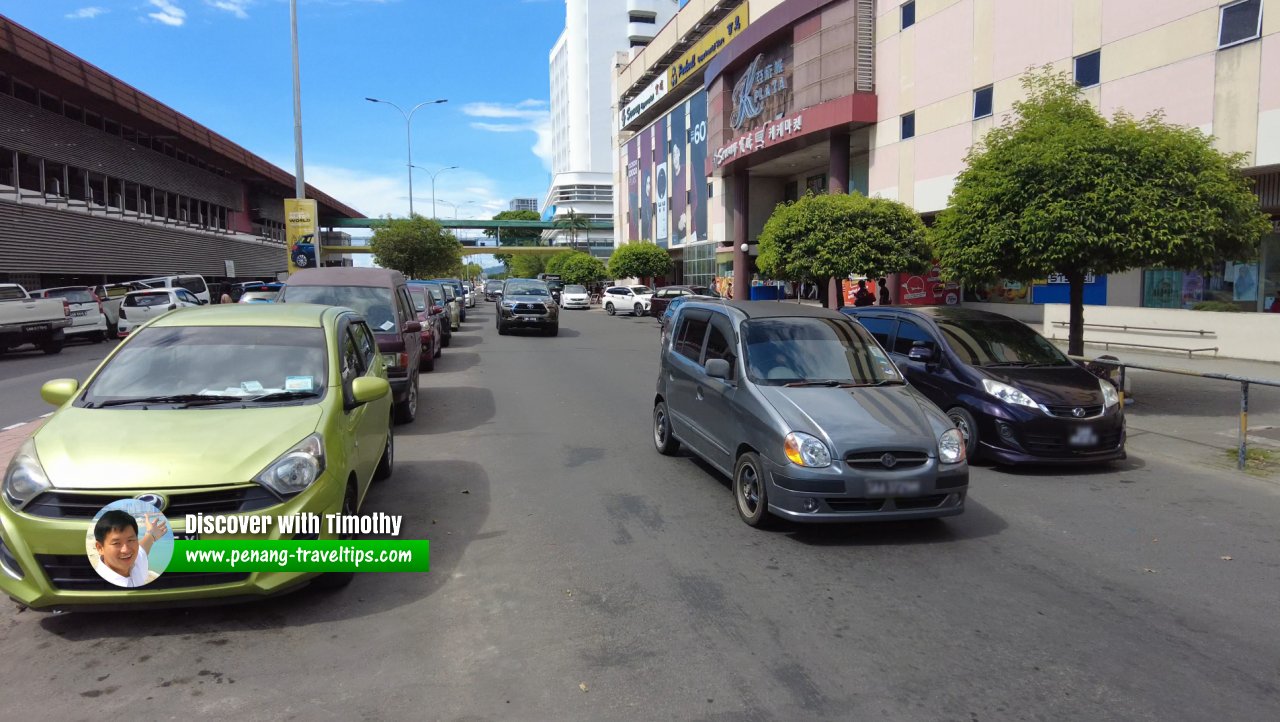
453,304
88,318
382,298
426,311
460,292
440,312
193,283
39,321
112,295
575,296
274,410
665,295
142,306
627,299
806,414
1013,394
259,297
492,290
526,303
664,320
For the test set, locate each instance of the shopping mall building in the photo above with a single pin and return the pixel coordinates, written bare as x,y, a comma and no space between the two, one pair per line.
100,182
732,109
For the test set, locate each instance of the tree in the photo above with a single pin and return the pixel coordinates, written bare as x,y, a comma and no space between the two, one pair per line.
581,268
1059,189
573,222
556,260
639,259
471,271
527,265
833,235
515,236
418,247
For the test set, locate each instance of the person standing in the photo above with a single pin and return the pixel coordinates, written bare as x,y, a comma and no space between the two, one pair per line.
862,297
885,298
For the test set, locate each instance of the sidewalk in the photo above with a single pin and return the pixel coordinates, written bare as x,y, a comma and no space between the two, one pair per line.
12,438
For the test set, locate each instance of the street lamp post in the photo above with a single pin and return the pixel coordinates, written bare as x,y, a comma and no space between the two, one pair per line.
433,187
300,185
408,132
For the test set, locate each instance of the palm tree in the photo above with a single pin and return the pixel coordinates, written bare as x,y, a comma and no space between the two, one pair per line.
573,222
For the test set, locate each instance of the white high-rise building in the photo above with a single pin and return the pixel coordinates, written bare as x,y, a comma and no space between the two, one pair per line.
581,65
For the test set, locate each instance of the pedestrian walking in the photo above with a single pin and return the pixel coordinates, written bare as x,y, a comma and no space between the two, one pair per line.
885,298
863,297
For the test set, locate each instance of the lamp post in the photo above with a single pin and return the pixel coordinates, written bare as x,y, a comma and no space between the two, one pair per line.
300,185
408,132
433,187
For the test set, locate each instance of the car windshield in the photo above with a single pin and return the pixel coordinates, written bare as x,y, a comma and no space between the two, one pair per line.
157,298
526,288
641,290
237,362
799,351
73,295
492,286
376,304
575,288
999,343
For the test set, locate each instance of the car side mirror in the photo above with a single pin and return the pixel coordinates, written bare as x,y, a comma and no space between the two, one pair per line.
411,327
369,388
58,391
204,302
923,354
718,368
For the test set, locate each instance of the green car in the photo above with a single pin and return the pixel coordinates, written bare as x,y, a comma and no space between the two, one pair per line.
269,409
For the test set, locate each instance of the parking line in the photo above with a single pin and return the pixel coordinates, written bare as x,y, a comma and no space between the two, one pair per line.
11,427
45,416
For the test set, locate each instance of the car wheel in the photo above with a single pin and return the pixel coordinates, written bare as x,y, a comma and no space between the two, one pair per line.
502,329
639,309
608,308
113,329
338,580
427,362
440,346
407,410
750,496
553,330
387,463
462,316
99,337
51,346
666,443
301,260
968,426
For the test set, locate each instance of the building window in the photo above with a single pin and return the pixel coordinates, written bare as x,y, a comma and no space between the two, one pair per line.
642,18
908,125
1088,69
1240,22
908,14
982,102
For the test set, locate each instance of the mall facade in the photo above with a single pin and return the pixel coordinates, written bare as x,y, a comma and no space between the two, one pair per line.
732,109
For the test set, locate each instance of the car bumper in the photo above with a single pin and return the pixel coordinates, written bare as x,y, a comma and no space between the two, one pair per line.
575,303
1014,436
843,494
99,326
399,388
508,318
30,542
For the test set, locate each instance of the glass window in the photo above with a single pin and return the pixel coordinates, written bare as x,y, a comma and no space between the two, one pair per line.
908,14
820,351
73,294
908,335
365,343
880,328
982,98
908,125
523,288
719,342
377,305
999,343
352,360
194,284
406,305
689,340
419,296
155,298
1088,69
1240,21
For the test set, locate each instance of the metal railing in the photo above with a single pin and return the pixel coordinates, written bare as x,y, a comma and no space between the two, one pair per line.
1126,328
1244,382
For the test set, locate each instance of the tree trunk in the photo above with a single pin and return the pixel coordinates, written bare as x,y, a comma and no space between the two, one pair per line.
1075,331
835,293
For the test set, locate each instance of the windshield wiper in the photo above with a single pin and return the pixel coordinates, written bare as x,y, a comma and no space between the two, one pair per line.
285,396
1006,363
829,383
885,382
185,399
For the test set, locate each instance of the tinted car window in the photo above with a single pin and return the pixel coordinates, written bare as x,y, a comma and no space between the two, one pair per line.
881,328
352,360
908,334
159,298
11,293
73,295
195,284
982,343
376,304
719,342
187,296
419,296
689,339
797,350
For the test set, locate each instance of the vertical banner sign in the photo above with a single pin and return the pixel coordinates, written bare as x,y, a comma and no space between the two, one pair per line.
698,161
677,156
661,181
646,184
633,189
301,230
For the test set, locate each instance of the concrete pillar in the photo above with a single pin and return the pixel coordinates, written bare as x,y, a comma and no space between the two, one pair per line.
838,163
741,260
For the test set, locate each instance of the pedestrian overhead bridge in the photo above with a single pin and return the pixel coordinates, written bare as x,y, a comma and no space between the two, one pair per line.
472,248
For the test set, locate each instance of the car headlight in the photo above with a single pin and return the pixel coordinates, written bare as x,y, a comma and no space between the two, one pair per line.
951,447
1110,397
296,469
805,450
25,479
1008,394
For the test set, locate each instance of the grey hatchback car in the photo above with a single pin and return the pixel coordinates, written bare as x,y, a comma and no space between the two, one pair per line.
807,414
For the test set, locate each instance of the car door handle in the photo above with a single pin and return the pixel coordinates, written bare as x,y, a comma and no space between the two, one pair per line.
698,393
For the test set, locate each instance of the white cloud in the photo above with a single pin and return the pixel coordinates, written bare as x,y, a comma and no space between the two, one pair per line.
530,116
475,194
238,8
88,13
168,13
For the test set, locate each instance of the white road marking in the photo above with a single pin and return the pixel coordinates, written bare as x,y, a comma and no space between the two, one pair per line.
10,427
45,416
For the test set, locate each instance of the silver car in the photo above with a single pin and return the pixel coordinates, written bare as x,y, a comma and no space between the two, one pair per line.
806,413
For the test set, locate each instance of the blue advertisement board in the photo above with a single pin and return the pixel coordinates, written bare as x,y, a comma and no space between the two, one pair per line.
1057,290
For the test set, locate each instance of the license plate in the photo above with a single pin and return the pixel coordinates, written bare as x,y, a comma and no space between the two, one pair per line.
79,313
1083,436
186,536
893,487
36,327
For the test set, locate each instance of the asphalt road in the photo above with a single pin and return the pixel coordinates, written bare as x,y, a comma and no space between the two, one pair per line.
567,552
23,370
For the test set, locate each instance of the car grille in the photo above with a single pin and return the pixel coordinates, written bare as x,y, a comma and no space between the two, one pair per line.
80,505
876,459
529,309
1049,444
900,503
1068,412
74,572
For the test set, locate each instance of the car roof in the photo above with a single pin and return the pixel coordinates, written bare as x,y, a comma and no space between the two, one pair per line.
766,309
301,315
368,277
162,289
937,313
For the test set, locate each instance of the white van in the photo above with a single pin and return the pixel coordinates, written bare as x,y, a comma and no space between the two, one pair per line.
193,283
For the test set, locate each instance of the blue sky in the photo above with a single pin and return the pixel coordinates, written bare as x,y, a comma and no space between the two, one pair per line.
225,63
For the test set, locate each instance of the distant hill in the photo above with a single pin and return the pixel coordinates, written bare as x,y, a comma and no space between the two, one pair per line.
494,270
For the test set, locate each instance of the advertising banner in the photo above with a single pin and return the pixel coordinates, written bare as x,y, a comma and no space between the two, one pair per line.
301,232
661,181
642,102
633,189
677,158
646,184
927,289
698,163
708,47
1056,289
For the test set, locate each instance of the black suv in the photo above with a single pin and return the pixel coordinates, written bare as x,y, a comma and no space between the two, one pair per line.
526,303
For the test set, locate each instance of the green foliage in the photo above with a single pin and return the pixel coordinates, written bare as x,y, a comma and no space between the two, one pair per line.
554,262
573,222
639,259
580,268
527,265
418,247
820,236
1222,306
471,271
517,237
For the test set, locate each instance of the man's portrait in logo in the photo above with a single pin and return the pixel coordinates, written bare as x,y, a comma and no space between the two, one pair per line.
129,543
